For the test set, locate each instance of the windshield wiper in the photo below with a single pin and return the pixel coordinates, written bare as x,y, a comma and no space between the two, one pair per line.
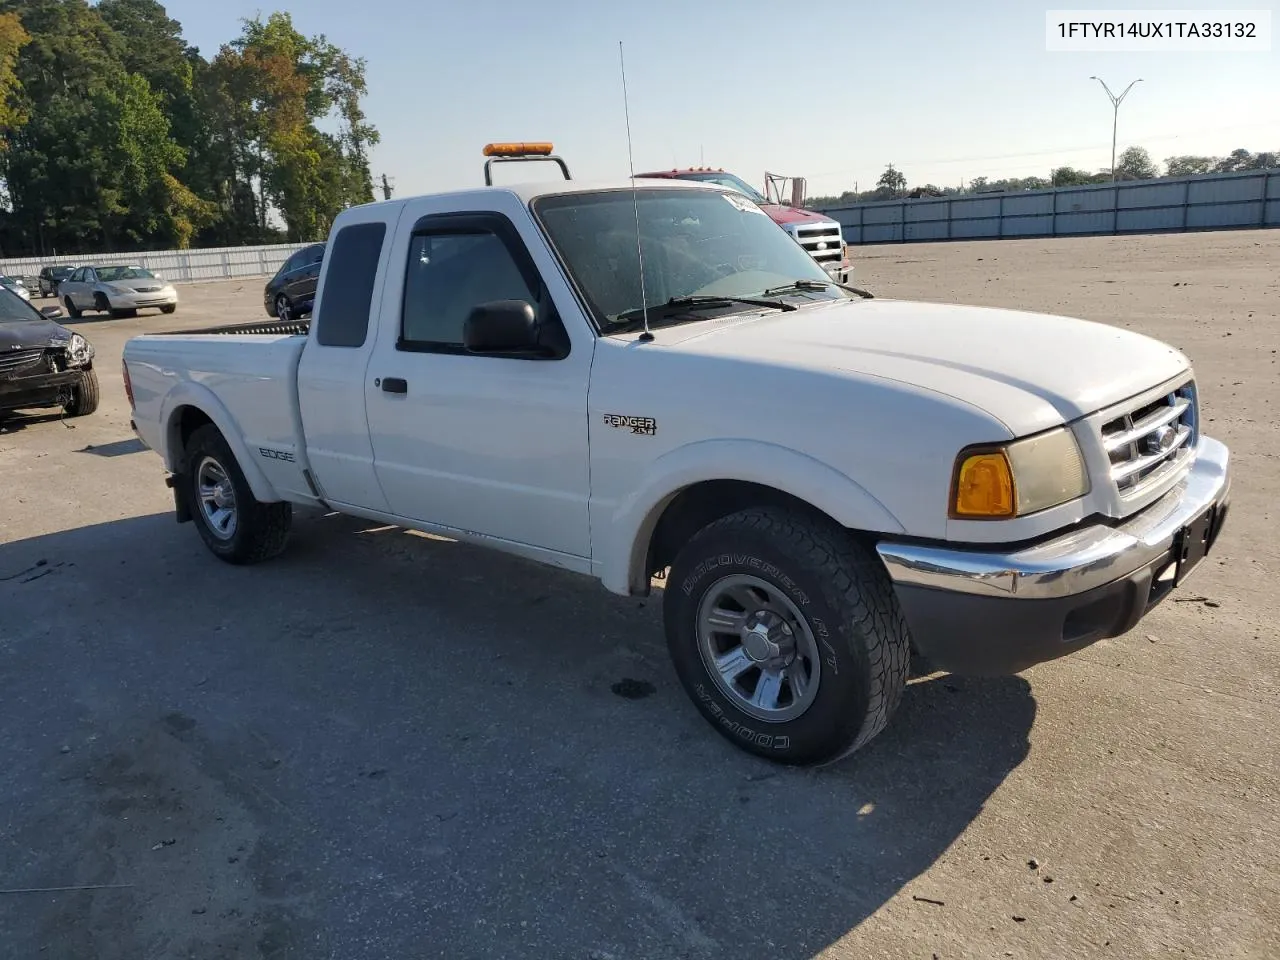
815,285
677,304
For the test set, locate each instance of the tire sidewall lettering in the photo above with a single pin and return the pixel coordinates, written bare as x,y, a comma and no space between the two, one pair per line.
738,729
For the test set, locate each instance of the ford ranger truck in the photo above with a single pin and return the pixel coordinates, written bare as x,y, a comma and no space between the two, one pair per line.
820,481
820,235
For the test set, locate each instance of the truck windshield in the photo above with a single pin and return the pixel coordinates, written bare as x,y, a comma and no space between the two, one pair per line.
696,243
109,274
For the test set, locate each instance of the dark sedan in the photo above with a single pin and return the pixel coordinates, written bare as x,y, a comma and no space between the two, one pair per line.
291,293
50,277
42,363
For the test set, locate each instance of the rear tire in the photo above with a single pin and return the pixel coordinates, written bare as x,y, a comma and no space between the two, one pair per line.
84,395
235,526
808,591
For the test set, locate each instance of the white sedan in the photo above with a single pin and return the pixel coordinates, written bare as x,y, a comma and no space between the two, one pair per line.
120,291
15,285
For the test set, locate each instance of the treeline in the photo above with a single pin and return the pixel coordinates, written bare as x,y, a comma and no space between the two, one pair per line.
1134,163
116,135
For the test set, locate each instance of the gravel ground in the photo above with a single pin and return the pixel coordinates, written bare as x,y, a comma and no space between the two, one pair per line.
384,745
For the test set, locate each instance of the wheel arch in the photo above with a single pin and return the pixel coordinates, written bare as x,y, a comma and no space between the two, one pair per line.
695,485
193,406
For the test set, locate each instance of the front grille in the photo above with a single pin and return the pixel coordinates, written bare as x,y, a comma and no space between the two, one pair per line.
1148,443
146,289
823,241
15,363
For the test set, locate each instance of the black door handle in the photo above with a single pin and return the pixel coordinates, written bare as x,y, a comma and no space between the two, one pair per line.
394,385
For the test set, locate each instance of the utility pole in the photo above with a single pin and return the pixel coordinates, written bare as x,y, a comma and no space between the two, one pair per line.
1115,117
386,188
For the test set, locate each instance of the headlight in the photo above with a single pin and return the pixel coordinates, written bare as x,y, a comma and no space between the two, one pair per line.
111,288
1018,478
79,350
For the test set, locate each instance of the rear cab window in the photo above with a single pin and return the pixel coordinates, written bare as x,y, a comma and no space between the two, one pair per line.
342,313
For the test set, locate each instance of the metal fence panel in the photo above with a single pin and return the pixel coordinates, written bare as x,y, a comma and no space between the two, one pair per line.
1155,195
974,229
1149,220
1216,201
1031,204
1225,215
182,266
1028,226
927,230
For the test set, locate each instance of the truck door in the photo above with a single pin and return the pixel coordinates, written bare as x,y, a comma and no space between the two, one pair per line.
488,445
331,395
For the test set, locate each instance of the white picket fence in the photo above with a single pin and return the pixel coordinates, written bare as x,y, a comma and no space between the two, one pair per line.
178,266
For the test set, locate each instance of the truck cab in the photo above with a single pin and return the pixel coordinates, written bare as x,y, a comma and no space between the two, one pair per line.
821,236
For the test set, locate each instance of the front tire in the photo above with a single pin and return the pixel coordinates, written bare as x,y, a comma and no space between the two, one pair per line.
84,395
235,526
284,309
169,308
786,635
72,310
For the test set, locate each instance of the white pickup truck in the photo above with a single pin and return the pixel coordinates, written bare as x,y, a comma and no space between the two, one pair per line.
821,480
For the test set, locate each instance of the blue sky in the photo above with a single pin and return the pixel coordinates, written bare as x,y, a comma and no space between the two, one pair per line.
832,92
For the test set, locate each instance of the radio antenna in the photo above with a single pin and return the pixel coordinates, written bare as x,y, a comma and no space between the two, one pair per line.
635,197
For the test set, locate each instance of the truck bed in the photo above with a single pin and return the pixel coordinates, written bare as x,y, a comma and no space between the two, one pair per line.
245,380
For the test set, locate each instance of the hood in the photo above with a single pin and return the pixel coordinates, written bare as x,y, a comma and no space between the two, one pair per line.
15,334
780,213
1031,371
137,283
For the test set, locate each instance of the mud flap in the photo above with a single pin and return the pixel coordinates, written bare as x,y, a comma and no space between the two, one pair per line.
181,505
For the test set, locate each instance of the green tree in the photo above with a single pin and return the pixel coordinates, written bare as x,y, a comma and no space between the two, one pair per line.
892,180
1136,164
12,39
1187,165
1238,159
1070,177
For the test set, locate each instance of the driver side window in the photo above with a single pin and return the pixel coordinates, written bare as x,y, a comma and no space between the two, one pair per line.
449,274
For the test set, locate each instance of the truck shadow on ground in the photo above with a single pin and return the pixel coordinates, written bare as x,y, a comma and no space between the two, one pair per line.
380,742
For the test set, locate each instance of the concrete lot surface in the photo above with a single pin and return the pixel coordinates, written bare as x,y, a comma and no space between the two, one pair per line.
387,746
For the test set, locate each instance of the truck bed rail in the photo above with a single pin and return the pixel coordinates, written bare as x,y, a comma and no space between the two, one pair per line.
274,328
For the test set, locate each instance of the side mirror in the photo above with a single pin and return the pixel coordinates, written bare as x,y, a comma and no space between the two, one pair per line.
502,326
51,312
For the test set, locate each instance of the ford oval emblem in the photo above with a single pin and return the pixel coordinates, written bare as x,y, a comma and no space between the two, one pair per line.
1162,440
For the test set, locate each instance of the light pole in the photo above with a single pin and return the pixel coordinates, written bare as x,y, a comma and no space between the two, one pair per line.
1115,118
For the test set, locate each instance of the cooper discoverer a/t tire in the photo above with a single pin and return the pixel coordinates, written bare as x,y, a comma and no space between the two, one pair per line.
786,635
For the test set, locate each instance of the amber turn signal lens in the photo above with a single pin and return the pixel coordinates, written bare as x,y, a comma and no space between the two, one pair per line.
984,487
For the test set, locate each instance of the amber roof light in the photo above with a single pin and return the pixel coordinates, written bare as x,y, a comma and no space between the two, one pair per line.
518,149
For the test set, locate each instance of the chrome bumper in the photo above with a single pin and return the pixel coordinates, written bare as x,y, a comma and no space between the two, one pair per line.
1078,561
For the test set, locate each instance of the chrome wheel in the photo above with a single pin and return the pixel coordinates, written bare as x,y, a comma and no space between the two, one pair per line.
283,311
758,648
217,498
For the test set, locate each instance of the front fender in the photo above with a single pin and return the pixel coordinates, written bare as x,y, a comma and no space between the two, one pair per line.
624,543
188,394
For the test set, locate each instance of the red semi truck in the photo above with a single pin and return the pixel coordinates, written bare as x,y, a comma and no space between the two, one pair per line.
818,234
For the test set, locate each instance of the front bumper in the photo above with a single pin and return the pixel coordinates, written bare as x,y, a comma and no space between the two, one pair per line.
41,390
998,612
141,301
